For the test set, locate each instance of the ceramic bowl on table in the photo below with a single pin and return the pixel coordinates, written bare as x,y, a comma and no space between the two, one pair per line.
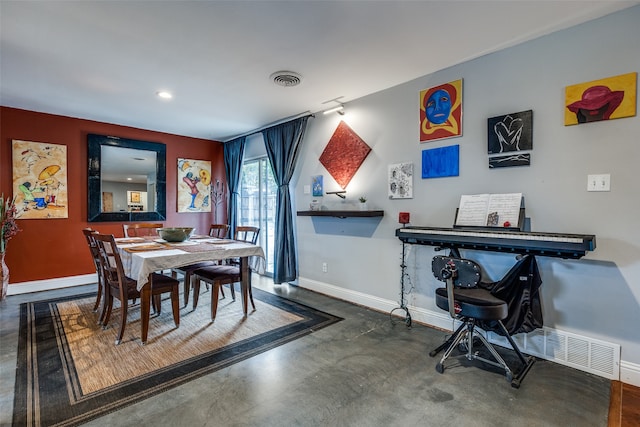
175,234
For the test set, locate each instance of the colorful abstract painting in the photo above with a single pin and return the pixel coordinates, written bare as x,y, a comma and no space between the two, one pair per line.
440,162
604,99
441,111
344,154
400,181
512,132
40,180
194,185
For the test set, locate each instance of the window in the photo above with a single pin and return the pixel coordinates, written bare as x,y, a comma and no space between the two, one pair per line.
258,203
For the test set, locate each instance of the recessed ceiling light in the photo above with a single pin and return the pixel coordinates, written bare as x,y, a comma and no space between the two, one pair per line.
164,94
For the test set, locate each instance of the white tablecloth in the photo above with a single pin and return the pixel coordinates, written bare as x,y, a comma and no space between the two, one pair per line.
138,265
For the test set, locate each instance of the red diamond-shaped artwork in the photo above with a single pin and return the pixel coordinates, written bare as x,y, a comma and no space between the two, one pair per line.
344,154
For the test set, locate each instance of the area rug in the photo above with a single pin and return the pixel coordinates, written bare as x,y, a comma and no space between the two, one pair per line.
70,370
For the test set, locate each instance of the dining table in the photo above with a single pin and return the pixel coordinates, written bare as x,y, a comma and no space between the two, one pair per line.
142,256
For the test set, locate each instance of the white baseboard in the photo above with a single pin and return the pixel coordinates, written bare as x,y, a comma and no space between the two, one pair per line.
50,284
438,320
630,373
624,371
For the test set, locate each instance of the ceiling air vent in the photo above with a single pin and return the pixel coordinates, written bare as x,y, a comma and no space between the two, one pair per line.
286,78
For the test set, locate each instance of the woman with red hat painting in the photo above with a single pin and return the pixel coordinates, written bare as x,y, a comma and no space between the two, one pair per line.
597,103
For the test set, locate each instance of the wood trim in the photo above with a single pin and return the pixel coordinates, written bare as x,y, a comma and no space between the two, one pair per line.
615,404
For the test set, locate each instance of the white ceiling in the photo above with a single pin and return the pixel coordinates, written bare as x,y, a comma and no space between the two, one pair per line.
105,60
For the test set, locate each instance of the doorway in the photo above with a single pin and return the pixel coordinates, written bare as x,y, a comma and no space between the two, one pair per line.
258,203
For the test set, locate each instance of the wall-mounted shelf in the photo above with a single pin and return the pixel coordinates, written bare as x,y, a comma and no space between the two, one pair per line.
342,214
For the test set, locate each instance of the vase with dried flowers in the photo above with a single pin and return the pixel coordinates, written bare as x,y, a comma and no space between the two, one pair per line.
8,229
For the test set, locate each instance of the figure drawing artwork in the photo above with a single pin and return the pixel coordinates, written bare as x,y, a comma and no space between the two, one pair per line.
400,184
194,185
511,160
40,180
513,132
441,111
604,99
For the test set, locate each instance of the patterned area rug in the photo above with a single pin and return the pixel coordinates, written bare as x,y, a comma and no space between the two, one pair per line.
70,371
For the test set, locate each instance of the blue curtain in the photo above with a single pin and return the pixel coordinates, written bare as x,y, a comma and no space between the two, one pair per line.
283,146
233,154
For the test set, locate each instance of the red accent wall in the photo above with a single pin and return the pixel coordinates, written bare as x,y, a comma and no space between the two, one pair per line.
52,248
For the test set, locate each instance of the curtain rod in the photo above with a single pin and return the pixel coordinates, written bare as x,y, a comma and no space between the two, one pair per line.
278,122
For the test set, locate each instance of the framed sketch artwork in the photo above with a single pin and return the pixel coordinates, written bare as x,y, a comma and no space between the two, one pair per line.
400,184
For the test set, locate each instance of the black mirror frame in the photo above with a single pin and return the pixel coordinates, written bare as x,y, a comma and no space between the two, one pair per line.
94,197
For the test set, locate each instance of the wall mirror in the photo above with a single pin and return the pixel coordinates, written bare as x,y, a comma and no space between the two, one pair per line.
127,179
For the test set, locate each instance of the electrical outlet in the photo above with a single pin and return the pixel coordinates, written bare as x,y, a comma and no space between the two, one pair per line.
324,267
601,182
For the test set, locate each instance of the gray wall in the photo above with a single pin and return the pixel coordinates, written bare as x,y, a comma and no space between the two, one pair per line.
596,296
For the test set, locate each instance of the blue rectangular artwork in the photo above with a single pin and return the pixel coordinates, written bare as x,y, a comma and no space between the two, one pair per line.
439,162
317,186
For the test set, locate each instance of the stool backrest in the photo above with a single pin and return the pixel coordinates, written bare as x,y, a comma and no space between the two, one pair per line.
464,272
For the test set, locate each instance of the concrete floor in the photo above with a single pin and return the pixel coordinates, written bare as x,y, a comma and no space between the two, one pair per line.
363,371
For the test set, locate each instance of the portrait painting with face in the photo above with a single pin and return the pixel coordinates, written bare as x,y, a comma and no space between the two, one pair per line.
441,111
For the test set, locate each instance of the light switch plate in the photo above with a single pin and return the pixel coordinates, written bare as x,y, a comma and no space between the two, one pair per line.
600,182
307,189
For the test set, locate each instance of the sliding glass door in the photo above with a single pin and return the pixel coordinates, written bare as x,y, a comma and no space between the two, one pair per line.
258,203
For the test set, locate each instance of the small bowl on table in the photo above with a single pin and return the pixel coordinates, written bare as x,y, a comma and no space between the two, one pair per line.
175,234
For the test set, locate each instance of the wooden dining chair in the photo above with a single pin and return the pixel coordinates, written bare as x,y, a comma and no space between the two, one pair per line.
141,229
226,274
95,255
219,231
244,233
125,289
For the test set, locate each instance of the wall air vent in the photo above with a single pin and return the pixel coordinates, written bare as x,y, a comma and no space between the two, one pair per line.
286,78
587,354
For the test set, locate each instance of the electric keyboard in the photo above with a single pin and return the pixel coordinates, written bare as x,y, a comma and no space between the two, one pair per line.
560,245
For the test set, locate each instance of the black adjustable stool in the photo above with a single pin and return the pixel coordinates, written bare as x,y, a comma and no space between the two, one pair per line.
469,303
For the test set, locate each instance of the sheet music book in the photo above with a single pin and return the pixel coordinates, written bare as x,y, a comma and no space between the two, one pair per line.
489,210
